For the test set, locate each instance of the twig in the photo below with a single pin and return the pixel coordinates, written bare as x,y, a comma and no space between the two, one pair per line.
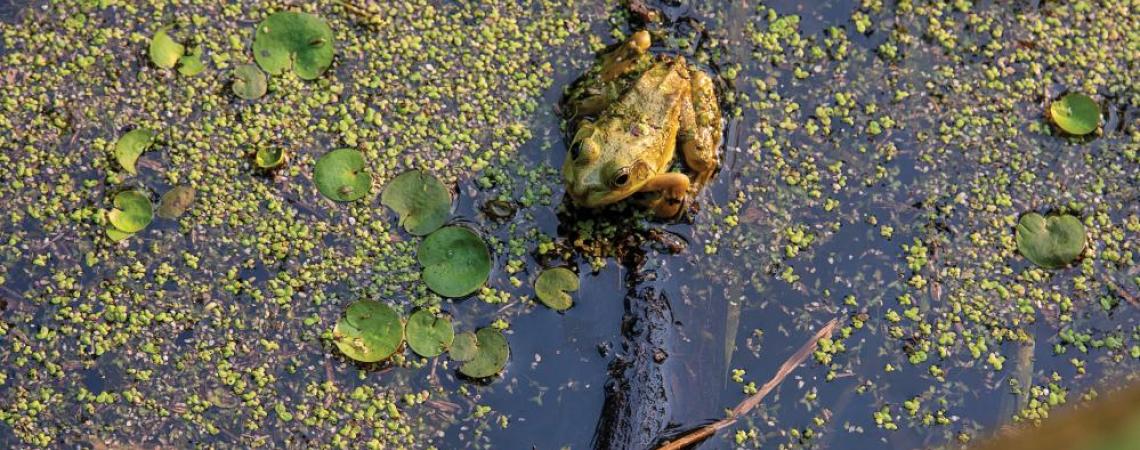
797,358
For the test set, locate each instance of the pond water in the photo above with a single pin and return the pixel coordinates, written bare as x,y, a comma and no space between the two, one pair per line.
877,157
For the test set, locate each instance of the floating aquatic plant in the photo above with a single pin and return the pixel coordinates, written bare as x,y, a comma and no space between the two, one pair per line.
131,214
1076,114
190,64
463,347
369,331
165,51
456,261
342,176
429,335
130,146
249,82
294,40
491,354
1050,242
175,202
552,287
269,157
421,200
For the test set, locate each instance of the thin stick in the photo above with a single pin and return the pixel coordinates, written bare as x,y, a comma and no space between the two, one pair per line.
753,401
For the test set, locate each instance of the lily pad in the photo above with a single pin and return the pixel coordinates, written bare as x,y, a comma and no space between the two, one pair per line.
491,354
294,40
552,287
190,64
341,175
249,82
463,347
421,200
456,261
164,50
429,335
132,212
175,202
1050,242
269,157
1076,114
130,146
370,331
117,235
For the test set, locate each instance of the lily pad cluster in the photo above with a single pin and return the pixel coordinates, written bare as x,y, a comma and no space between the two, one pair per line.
371,331
1050,242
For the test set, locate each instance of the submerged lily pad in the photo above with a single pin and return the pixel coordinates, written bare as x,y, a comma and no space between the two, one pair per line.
420,199
1050,242
249,82
456,261
190,64
552,287
175,202
370,331
463,347
341,175
132,212
164,50
130,146
294,40
269,157
491,354
429,335
1076,113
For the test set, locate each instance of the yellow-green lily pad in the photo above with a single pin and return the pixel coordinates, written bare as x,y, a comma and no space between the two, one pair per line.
491,354
132,145
342,175
456,261
429,335
270,157
164,50
175,202
132,212
552,286
249,82
298,41
1050,242
1076,114
463,347
190,64
369,331
421,200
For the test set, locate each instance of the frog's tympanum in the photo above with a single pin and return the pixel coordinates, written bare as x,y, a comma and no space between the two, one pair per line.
628,117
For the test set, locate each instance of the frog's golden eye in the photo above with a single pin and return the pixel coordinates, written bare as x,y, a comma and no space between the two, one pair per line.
620,178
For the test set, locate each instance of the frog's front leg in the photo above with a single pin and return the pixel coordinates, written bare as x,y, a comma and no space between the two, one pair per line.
700,132
603,85
673,187
625,57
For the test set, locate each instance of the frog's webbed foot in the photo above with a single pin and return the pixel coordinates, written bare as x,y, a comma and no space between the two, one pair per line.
603,86
673,188
700,132
624,58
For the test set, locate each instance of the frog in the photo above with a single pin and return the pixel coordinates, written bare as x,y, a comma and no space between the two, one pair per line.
629,117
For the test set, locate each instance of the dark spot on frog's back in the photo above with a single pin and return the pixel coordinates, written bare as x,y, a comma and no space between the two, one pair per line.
265,53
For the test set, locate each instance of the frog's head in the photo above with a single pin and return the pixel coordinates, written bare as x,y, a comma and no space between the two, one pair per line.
610,160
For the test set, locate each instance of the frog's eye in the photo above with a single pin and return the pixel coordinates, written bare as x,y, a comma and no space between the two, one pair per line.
620,178
575,150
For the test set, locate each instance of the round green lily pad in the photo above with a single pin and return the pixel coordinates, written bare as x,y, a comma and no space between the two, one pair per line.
552,287
342,176
1076,114
456,261
130,146
429,335
463,347
164,50
175,202
1050,242
294,40
491,354
269,157
190,64
249,82
370,331
421,200
132,212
